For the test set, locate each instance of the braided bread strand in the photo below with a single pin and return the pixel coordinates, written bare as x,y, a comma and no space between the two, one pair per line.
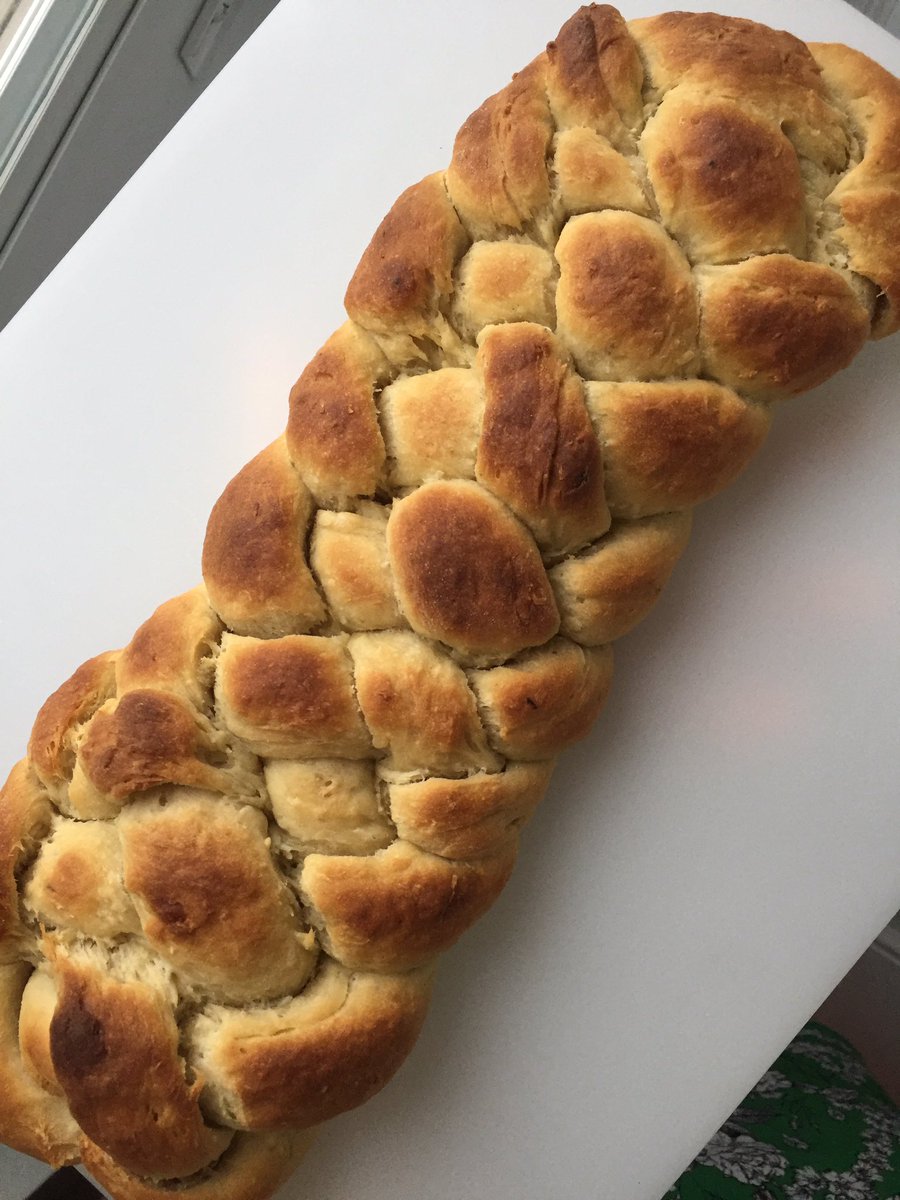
237,847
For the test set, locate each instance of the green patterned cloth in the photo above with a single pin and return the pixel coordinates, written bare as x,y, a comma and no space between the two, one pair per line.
815,1127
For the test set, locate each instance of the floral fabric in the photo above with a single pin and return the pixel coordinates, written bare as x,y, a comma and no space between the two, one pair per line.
815,1127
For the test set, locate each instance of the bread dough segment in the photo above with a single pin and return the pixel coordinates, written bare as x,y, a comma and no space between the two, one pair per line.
625,304
544,700
76,881
431,425
538,451
604,592
328,805
418,707
349,556
210,899
291,697
253,562
401,907
467,573
113,1037
669,446
727,182
470,817
821,322
313,1056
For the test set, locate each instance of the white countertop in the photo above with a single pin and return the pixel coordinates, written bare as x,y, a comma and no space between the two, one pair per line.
716,856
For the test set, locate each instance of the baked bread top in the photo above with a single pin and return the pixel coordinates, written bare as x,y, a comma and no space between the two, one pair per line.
238,846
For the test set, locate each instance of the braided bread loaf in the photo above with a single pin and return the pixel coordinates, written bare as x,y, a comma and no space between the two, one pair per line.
237,846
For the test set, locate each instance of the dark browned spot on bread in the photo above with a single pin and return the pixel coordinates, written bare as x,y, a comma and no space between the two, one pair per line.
78,1043
115,1052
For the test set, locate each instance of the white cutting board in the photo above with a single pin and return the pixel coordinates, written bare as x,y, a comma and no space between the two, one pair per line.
716,856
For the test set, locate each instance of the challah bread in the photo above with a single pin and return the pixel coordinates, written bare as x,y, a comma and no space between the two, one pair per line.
237,847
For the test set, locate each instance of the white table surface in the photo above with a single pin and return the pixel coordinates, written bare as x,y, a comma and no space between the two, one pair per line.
716,856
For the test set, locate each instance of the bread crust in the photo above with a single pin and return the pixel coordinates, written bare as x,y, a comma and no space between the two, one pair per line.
296,1064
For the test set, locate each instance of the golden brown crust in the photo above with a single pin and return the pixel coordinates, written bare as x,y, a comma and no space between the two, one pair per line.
292,697
872,94
498,176
590,174
538,452
160,1131
210,899
50,748
32,1120
253,562
470,817
727,182
145,740
406,272
545,700
669,446
625,302
603,593
417,705
763,69
315,1056
868,195
504,281
170,651
594,75
871,233
467,573
775,326
332,434
401,907
252,1168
